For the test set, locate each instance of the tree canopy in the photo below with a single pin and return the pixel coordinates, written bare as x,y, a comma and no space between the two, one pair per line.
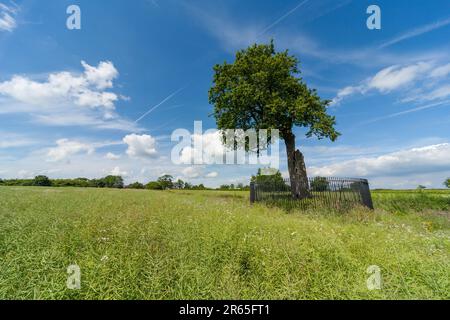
320,184
273,179
262,89
166,181
42,181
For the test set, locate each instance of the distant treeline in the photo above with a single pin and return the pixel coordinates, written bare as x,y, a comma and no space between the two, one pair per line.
44,181
165,182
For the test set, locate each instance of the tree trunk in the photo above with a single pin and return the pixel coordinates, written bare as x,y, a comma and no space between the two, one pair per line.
297,169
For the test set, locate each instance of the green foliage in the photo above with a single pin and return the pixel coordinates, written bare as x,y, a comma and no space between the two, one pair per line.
79,182
106,182
273,179
262,89
18,182
42,181
320,184
179,184
239,186
401,201
166,182
136,185
447,183
153,185
113,182
199,187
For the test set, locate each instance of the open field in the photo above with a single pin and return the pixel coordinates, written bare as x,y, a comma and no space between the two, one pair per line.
134,244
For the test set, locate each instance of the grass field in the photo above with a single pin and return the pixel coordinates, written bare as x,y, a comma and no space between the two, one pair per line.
134,244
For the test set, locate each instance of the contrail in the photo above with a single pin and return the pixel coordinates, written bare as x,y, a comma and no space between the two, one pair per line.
282,18
417,32
159,104
397,114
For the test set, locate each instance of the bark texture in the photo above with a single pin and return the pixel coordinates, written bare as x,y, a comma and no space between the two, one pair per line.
297,169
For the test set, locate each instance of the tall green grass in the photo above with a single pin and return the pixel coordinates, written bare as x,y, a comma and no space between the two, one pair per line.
412,201
133,244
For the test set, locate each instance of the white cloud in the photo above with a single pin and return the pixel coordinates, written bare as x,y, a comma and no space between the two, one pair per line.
222,27
396,77
412,79
192,172
112,156
141,146
7,17
66,87
85,119
213,174
14,143
13,140
7,23
212,146
347,91
117,172
415,161
439,93
67,98
101,76
24,174
65,148
441,71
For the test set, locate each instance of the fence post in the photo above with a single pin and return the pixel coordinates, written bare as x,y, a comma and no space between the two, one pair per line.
252,192
365,194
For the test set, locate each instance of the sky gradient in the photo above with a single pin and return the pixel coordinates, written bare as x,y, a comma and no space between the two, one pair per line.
105,99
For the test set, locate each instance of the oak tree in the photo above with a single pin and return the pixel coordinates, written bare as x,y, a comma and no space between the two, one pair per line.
262,89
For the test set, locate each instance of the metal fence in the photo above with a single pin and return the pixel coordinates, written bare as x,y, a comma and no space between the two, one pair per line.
323,192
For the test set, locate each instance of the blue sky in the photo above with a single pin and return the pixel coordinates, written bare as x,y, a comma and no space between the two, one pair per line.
69,99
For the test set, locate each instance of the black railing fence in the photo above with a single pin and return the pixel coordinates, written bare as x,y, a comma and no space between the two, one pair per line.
323,192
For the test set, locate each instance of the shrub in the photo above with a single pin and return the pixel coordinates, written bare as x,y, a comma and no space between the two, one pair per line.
42,181
179,184
166,182
273,179
447,183
136,185
113,182
154,185
320,184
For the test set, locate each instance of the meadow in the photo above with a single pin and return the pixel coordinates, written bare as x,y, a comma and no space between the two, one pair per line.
140,244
